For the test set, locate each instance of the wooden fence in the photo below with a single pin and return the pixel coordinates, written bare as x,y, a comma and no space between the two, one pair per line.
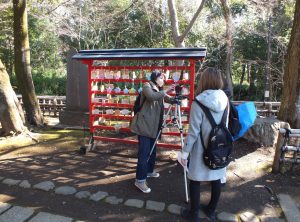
264,108
51,105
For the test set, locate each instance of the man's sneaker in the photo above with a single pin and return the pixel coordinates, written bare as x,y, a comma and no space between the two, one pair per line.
153,174
142,186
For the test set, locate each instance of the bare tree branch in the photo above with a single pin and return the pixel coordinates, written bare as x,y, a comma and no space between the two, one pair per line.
190,25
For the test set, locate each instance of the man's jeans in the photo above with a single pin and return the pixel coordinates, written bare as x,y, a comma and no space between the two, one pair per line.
144,167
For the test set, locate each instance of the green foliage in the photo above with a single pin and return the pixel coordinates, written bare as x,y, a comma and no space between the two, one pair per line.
140,24
44,44
46,83
49,83
6,39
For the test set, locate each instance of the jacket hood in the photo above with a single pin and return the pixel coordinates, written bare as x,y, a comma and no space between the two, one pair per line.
215,100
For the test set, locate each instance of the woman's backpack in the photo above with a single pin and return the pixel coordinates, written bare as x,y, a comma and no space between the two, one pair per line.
217,154
137,104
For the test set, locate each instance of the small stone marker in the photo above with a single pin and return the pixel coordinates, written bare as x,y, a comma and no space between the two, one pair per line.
46,217
83,194
16,214
154,205
134,203
65,190
25,184
11,182
98,196
113,200
45,186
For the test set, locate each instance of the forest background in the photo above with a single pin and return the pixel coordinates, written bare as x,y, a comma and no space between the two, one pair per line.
261,32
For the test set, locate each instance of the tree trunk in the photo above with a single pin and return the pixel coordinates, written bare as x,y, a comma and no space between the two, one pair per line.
252,77
177,37
22,64
290,103
243,74
229,43
242,80
11,113
268,76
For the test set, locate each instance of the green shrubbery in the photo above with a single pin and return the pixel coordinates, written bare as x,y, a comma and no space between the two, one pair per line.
48,83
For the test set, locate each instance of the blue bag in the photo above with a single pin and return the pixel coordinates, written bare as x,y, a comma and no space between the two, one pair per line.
247,115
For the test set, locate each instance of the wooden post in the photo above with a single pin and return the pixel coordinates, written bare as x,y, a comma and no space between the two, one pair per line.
276,161
55,106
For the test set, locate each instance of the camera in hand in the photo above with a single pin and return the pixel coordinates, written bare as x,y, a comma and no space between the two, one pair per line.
178,89
178,94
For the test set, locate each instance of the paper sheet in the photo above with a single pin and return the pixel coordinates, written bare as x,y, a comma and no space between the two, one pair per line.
179,160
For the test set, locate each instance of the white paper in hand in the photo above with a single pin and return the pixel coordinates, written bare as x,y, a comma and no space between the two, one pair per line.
179,154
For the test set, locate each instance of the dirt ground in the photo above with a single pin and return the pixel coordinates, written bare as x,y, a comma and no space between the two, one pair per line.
111,167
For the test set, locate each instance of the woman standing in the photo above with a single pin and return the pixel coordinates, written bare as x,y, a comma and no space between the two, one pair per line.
146,124
209,93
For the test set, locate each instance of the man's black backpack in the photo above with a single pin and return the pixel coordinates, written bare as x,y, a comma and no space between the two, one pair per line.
217,154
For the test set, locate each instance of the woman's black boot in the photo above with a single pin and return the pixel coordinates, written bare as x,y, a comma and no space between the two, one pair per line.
188,215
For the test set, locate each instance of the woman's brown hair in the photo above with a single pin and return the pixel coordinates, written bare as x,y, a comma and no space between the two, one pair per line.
210,78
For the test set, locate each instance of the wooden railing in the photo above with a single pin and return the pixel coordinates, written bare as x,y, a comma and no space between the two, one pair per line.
264,108
51,105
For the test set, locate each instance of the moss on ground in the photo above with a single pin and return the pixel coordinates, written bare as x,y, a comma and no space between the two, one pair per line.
49,141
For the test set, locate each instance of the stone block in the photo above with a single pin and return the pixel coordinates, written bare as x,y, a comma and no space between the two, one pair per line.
98,196
25,184
134,203
16,214
83,194
224,216
46,217
113,200
248,217
4,207
265,131
65,190
174,209
45,186
154,205
11,182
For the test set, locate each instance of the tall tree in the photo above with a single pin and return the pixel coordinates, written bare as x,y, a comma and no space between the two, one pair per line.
22,63
11,113
229,42
177,37
290,103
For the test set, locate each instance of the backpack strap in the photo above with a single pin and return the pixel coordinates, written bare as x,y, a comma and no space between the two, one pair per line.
207,114
141,105
225,115
145,98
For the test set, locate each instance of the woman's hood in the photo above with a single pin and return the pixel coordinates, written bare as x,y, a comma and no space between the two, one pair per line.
215,100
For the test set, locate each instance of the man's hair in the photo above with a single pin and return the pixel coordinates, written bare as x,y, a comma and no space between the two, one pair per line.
210,78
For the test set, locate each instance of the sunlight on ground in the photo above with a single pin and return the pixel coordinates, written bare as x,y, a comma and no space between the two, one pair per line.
48,141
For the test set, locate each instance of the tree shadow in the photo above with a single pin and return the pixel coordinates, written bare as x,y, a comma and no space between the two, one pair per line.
111,168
